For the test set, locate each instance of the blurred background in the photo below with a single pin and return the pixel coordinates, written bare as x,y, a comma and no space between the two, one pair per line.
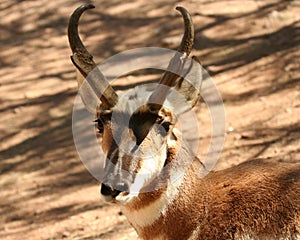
250,48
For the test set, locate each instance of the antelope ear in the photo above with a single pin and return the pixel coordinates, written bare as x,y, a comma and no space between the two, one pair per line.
189,86
88,96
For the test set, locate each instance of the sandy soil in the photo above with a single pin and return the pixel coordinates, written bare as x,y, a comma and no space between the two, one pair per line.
250,48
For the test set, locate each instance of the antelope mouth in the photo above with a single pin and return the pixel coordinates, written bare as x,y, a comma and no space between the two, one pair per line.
122,198
118,195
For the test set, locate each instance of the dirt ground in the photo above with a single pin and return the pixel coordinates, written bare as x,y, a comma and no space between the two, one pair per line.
250,48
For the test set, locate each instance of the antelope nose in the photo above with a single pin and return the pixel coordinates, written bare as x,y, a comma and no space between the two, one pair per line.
108,190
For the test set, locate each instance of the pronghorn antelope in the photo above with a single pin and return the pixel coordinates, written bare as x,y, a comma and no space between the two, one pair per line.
258,199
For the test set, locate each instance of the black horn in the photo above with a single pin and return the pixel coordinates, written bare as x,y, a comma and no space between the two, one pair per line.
187,41
169,78
84,62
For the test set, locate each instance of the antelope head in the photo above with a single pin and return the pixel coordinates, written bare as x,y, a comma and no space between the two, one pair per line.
137,127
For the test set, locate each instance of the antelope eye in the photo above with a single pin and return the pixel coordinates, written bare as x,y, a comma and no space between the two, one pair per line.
102,118
166,126
99,125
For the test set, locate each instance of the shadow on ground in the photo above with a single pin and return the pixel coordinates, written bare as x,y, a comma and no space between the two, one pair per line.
38,86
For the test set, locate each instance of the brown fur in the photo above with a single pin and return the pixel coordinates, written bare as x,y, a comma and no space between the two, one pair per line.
259,198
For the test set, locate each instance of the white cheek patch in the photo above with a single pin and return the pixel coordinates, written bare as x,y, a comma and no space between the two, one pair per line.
149,170
149,214
152,164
